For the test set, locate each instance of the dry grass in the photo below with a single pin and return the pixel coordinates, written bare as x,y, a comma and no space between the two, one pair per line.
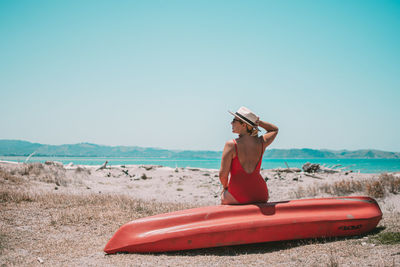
377,188
72,230
333,260
67,229
80,169
389,183
47,225
10,196
74,209
52,174
10,177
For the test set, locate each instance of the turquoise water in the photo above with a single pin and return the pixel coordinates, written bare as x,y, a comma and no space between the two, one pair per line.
362,165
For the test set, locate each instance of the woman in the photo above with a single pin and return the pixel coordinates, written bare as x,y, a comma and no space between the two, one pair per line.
242,159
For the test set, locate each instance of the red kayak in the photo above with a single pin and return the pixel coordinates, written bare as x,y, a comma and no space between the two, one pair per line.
226,225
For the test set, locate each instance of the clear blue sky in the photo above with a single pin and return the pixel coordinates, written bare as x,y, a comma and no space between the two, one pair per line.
164,73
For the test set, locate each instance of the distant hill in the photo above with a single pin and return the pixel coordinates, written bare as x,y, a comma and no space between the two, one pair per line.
25,148
307,153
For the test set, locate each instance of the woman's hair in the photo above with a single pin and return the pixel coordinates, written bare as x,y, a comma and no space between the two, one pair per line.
252,131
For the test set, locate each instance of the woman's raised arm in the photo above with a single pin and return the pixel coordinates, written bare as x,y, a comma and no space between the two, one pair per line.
271,133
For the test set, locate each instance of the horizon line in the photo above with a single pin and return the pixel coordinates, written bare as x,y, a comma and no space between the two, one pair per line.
343,149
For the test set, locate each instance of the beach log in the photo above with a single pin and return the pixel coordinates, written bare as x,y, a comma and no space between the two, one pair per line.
287,166
310,167
327,170
292,170
335,166
313,176
102,167
29,157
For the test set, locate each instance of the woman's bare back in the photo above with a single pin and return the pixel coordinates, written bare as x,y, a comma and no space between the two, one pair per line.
250,149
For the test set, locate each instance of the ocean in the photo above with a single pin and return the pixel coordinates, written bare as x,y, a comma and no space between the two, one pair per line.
361,165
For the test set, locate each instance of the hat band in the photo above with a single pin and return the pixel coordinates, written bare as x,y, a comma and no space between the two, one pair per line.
245,119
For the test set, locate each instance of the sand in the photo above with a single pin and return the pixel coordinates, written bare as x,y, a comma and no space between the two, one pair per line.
161,189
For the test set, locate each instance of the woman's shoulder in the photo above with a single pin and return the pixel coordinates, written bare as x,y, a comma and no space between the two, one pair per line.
229,148
230,143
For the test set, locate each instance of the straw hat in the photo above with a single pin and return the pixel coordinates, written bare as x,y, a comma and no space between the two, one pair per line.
247,116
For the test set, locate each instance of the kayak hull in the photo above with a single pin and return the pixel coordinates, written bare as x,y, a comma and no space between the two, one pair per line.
226,225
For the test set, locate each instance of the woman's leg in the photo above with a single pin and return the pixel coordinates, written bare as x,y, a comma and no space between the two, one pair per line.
227,198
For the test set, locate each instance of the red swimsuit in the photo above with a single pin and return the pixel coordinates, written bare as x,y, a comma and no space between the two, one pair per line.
247,187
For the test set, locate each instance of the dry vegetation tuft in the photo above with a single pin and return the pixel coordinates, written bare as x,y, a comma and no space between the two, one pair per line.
377,188
80,169
52,174
10,196
10,177
333,260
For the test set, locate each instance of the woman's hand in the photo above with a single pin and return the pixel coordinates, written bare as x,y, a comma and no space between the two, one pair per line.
222,192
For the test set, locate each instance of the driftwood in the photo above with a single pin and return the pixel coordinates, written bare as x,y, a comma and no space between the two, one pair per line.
102,167
335,166
287,169
346,167
310,167
29,157
313,176
327,170
290,170
287,166
69,166
317,168
8,162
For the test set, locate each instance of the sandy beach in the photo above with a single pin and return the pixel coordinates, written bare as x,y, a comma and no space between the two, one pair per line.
112,111
59,215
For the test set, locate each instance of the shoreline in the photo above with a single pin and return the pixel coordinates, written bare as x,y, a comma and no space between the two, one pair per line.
357,165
